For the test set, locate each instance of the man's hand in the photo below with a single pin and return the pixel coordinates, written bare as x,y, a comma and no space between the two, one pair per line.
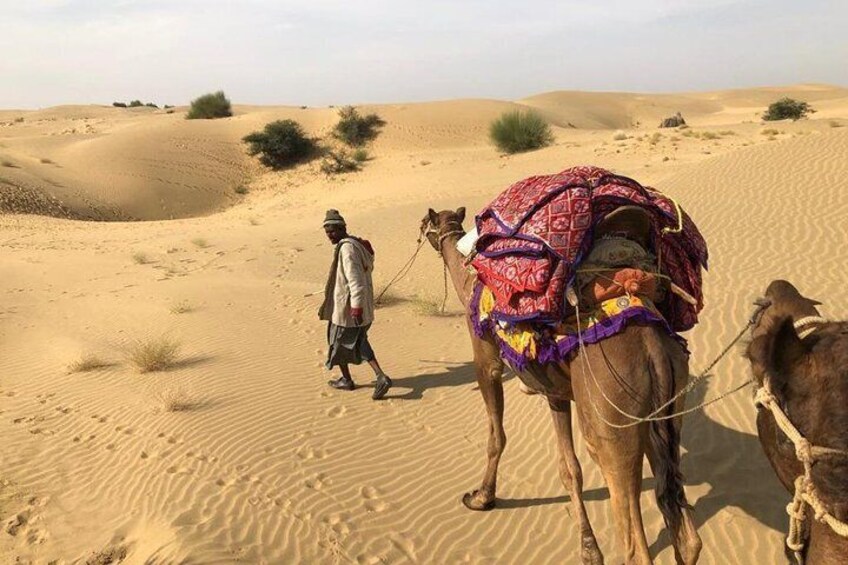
356,314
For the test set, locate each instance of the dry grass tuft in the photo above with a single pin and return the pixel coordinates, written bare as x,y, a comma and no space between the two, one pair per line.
769,131
176,400
835,124
389,298
620,136
86,363
140,258
709,135
9,164
154,355
427,306
181,307
200,242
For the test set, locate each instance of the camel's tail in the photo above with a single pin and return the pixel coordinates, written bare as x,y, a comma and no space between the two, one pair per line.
664,440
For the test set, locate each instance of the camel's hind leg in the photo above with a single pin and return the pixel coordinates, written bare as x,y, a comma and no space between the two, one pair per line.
619,452
489,368
664,455
572,478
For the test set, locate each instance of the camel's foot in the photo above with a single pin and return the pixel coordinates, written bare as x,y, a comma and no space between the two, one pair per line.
478,500
590,553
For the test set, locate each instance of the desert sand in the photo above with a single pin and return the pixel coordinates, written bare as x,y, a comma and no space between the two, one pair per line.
240,452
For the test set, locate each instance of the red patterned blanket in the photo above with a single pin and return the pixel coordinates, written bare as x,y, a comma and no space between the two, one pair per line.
533,236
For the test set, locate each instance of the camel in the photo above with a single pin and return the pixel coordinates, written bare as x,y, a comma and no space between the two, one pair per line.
803,359
639,369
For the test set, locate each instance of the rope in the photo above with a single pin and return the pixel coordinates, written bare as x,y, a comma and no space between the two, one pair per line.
653,416
402,272
805,491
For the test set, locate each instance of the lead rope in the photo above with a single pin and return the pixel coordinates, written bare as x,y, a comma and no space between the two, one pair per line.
652,417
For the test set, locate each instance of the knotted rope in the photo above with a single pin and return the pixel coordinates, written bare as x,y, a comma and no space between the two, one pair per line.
805,491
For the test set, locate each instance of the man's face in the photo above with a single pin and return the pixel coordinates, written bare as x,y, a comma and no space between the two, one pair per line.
335,233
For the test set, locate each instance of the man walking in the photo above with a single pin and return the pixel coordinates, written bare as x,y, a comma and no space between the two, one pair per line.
349,306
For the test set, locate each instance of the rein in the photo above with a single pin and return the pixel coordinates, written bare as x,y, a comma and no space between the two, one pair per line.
422,237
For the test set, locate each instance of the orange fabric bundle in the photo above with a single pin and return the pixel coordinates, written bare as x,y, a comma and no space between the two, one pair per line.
619,283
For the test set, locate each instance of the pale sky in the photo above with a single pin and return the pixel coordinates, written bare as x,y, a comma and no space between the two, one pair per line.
320,52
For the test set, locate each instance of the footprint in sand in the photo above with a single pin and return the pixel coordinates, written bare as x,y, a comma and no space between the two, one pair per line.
306,453
372,502
336,411
338,523
317,482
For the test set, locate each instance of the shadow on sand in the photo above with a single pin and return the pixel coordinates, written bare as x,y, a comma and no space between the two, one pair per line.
456,374
730,462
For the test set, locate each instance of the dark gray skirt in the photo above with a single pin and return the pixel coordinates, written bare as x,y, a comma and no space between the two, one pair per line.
348,346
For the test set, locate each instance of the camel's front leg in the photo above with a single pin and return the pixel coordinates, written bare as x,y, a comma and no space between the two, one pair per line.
489,368
572,478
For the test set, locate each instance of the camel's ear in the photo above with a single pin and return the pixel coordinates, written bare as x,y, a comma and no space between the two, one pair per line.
434,217
460,212
787,350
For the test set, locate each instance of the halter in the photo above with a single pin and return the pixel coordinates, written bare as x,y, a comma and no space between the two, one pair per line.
431,229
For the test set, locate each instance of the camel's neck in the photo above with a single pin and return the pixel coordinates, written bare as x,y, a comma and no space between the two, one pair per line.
463,281
826,546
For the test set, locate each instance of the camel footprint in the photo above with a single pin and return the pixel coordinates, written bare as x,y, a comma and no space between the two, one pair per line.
372,501
337,411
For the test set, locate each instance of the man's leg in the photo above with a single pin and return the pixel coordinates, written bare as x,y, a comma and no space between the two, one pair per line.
383,384
345,382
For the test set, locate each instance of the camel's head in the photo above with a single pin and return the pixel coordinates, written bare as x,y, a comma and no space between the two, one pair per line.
436,226
804,360
781,300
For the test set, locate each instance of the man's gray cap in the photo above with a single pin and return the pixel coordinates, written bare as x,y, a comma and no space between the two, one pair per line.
333,218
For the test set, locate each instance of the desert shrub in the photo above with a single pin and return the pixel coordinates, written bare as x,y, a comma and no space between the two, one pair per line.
241,189
787,108
154,355
86,363
119,104
360,155
337,162
210,106
280,144
709,135
354,128
769,131
166,106
140,258
136,104
620,136
518,131
176,400
151,105
9,164
200,242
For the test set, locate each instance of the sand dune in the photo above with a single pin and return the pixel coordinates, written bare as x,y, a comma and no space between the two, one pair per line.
240,453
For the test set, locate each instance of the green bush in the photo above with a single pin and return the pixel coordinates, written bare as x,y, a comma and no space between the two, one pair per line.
518,131
151,105
280,144
361,155
337,162
136,104
787,108
355,129
119,104
210,106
